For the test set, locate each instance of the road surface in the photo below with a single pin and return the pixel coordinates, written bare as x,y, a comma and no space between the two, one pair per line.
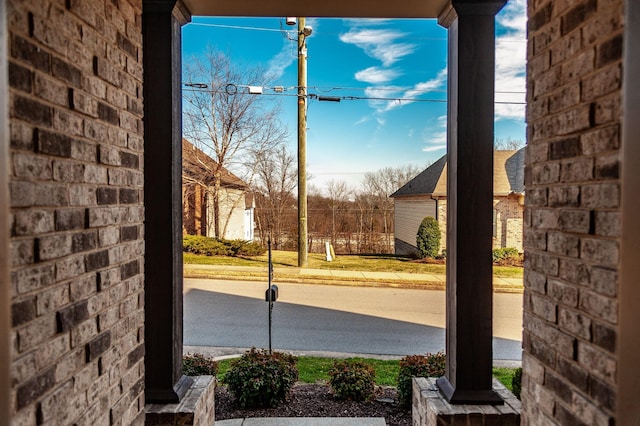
364,320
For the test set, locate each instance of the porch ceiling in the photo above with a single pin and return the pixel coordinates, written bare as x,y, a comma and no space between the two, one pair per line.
321,8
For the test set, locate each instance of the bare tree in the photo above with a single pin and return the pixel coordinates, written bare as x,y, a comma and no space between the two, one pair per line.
226,122
508,144
274,184
338,192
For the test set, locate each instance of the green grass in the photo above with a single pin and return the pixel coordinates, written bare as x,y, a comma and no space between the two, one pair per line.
315,370
381,263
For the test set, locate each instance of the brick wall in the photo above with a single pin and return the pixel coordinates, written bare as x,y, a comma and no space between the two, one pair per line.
509,212
75,75
572,217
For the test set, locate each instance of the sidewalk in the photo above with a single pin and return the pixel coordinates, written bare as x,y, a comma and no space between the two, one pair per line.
339,277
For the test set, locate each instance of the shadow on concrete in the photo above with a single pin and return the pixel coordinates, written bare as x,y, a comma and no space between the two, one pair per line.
222,320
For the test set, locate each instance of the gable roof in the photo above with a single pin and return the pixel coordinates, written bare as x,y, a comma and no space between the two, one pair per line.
201,167
508,176
432,180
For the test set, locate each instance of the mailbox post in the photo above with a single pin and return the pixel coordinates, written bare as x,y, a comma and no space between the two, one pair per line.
271,295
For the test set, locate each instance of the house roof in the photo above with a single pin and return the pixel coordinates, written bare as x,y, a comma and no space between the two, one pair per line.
430,181
201,167
508,176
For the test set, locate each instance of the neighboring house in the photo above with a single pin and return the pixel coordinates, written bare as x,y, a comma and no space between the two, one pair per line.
198,180
426,195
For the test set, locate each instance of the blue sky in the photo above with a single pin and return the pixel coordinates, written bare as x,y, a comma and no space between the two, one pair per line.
365,58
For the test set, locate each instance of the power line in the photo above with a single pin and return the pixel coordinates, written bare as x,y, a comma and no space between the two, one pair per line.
235,27
314,96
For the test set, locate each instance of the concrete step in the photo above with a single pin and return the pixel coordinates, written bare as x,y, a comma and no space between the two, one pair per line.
304,421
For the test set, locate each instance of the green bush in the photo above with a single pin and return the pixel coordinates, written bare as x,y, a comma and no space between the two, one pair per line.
516,382
244,248
507,256
429,365
428,237
261,379
352,379
207,246
199,365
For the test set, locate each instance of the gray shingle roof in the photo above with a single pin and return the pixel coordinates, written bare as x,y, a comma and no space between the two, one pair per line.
508,176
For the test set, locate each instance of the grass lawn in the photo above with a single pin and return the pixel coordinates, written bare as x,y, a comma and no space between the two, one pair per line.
315,369
378,262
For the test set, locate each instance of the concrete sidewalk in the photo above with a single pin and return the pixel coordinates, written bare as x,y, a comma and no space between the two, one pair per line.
339,277
304,421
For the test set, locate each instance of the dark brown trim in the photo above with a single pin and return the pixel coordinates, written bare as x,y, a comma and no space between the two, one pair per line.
628,409
5,303
161,29
470,183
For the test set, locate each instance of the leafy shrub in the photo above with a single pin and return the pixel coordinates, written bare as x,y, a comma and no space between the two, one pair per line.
507,256
428,237
244,248
352,379
198,244
429,365
516,382
261,379
199,365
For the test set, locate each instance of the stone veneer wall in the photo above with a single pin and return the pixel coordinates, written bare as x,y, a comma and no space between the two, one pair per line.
75,73
572,216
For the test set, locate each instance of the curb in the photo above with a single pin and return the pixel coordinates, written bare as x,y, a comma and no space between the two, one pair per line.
356,282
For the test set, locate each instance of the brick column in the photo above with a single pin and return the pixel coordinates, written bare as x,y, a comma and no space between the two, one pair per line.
162,21
470,200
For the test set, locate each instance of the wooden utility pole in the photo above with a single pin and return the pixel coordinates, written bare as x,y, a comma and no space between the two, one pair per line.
302,145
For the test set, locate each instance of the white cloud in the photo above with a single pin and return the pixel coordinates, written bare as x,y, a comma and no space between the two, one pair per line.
364,119
511,61
438,82
376,75
379,44
435,137
283,59
434,148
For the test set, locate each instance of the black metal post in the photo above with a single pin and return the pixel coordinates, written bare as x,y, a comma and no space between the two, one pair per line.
269,291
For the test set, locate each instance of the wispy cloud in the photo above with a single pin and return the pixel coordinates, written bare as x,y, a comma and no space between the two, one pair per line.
435,137
380,44
511,61
283,59
376,75
438,82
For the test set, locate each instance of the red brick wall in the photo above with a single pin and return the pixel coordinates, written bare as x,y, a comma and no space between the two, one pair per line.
75,74
572,211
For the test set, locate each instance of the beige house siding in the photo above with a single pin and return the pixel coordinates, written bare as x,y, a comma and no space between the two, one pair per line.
232,206
410,212
408,216
76,198
572,218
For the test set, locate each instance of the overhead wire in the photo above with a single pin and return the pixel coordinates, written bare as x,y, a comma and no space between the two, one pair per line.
314,96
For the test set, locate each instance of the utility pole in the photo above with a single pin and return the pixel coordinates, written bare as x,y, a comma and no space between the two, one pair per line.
303,32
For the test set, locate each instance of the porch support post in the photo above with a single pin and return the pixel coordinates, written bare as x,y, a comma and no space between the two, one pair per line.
5,292
161,27
470,135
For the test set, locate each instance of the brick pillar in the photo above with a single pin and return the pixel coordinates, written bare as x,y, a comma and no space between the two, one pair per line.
470,201
162,21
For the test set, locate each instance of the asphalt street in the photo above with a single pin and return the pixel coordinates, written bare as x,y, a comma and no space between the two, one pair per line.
364,320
